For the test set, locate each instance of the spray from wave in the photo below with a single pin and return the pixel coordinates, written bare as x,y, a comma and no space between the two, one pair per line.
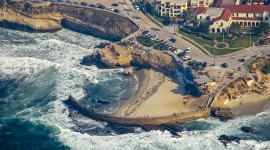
39,71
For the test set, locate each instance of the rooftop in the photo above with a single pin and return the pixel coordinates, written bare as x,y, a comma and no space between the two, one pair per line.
247,8
203,79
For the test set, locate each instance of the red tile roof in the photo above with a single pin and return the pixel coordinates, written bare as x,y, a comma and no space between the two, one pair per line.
246,18
226,14
200,10
247,8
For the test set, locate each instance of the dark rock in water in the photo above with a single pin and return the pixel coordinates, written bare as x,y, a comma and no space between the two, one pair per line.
223,114
102,45
172,128
247,129
101,102
225,139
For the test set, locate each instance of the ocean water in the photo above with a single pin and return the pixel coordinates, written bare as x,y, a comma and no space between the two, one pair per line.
38,71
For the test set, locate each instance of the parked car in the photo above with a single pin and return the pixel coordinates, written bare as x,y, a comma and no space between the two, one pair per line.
92,5
224,65
172,40
110,9
84,4
185,57
116,11
145,32
101,6
177,51
136,7
204,64
115,5
188,49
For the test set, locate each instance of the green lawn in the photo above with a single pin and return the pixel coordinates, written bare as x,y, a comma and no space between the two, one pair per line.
215,35
160,46
199,40
221,45
237,43
240,41
221,51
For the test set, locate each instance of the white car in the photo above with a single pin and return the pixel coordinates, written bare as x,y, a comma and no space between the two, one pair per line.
188,49
137,7
110,9
177,51
185,57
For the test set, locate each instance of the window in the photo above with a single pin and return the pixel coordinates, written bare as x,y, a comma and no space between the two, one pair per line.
221,24
254,15
237,14
200,17
247,14
266,18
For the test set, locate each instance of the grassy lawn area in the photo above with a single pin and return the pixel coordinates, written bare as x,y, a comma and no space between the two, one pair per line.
221,51
199,40
221,45
160,46
215,35
240,41
145,41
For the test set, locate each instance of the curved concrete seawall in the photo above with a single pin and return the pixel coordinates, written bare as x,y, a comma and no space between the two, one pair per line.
136,121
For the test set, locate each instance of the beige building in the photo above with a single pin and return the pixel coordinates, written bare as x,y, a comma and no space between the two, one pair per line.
199,3
221,18
170,8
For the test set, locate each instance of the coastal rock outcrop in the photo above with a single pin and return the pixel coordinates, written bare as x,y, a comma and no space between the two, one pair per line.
247,129
223,114
116,55
45,16
225,139
128,71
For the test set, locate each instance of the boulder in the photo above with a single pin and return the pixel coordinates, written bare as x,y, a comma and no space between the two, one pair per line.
128,71
247,129
223,114
225,139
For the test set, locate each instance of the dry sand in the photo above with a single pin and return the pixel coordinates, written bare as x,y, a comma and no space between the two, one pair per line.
249,104
156,96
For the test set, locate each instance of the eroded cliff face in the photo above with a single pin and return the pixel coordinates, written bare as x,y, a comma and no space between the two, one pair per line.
43,17
254,82
115,55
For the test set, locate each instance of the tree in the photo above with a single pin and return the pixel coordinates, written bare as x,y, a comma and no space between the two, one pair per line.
194,23
203,27
263,28
234,28
187,14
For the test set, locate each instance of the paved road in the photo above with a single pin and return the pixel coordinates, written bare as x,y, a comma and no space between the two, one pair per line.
125,6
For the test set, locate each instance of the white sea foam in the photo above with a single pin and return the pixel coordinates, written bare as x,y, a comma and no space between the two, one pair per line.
62,51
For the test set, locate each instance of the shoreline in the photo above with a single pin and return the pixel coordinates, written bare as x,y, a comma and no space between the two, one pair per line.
250,104
156,96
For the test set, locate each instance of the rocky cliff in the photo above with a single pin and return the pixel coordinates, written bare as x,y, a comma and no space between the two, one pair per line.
115,55
253,82
43,17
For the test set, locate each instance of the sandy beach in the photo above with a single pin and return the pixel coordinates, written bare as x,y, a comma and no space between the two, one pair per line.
157,95
249,104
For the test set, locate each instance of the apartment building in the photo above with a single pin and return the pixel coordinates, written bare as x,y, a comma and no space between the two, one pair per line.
199,3
170,8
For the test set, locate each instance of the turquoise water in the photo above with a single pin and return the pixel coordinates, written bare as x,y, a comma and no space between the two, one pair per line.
39,71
